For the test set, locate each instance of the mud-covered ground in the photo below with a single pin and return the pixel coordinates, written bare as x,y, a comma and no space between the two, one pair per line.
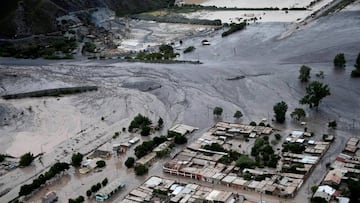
179,93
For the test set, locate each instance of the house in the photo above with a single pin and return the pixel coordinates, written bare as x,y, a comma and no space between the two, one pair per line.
182,129
50,197
110,189
147,160
333,177
325,192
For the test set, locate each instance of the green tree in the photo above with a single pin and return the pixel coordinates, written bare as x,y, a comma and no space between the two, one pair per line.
314,188
332,124
277,136
252,123
339,60
100,164
104,182
354,187
129,162
280,111
298,114
315,92
145,130
26,159
245,162
304,73
180,139
76,159
217,111
357,63
88,193
2,158
238,114
160,123
356,72
140,169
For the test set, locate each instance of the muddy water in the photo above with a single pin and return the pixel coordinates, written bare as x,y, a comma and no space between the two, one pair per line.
267,70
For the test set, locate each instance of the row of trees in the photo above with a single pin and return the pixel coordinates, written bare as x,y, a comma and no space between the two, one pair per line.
96,187
53,171
218,112
315,92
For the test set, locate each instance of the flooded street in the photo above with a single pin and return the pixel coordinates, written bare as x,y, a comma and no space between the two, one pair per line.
267,71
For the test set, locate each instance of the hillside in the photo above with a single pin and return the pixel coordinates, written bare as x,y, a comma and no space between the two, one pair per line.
22,18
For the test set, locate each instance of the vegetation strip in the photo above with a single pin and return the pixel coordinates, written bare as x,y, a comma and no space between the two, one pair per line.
51,92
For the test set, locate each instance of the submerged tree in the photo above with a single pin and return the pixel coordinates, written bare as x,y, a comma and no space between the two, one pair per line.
315,92
217,111
298,114
304,73
238,114
339,60
280,111
26,159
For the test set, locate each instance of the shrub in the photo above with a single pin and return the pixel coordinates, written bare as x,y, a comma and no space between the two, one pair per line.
180,139
189,49
26,159
252,123
129,162
100,164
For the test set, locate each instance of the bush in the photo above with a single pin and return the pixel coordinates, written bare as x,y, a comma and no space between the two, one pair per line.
252,123
296,148
26,159
100,164
129,162
332,124
189,49
89,47
238,114
76,159
234,28
140,169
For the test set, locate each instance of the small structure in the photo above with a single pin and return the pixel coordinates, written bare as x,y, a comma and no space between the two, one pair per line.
134,140
182,129
100,154
117,147
50,197
147,160
325,192
205,42
106,192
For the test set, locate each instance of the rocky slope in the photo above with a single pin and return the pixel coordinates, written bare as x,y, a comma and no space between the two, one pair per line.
20,18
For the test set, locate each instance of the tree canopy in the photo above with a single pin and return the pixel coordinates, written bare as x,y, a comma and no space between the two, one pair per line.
315,92
280,111
218,111
238,114
298,114
129,162
26,159
339,60
304,73
140,169
76,159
